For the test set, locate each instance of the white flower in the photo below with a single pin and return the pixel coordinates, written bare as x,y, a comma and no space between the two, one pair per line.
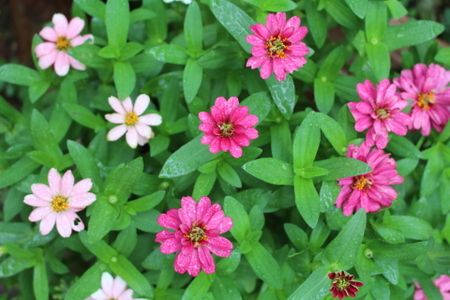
113,289
132,122
184,1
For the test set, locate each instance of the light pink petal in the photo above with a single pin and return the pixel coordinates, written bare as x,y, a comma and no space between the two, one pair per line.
76,25
132,137
44,49
142,140
220,246
47,224
118,287
60,24
170,219
77,223
116,104
115,118
107,283
188,210
127,295
42,191
143,130
206,260
47,60
49,34
98,295
67,182
82,187
151,119
82,200
235,150
141,104
63,224
62,64
35,201
39,213
116,133
76,64
54,181
79,40
127,104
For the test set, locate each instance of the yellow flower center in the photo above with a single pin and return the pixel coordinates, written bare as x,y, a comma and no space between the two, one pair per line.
341,283
226,129
131,118
426,100
196,235
62,43
60,204
276,47
382,113
362,183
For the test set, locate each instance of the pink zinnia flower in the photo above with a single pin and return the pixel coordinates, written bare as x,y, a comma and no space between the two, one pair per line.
277,47
380,112
197,228
112,289
373,190
343,285
442,283
57,41
132,122
427,87
228,127
58,202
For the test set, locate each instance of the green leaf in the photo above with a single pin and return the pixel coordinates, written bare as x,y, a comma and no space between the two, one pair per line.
37,89
317,23
332,131
86,163
227,173
186,159
241,222
14,265
12,232
405,252
131,275
87,284
343,249
198,287
315,287
311,172
332,65
130,50
204,184
280,172
95,8
42,136
281,141
235,21
147,202
379,59
443,56
193,28
411,33
84,116
341,13
141,14
126,241
283,95
306,142
276,6
117,21
342,167
102,219
403,147
296,235
359,7
9,111
259,104
88,55
124,79
169,53
396,8
17,171
40,281
323,95
376,21
265,266
192,79
411,227
18,74
307,200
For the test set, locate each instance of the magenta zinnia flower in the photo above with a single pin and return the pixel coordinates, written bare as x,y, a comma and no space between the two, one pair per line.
58,40
373,190
131,121
380,112
196,233
343,285
58,202
112,289
277,47
442,283
228,127
427,87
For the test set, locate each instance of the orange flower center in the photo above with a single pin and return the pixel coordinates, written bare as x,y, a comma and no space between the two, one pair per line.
226,129
131,118
196,235
362,183
62,43
426,100
382,113
276,47
59,204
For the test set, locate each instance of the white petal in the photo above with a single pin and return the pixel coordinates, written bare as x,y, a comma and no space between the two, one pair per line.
116,105
127,104
115,118
141,104
143,130
116,133
151,119
107,283
132,137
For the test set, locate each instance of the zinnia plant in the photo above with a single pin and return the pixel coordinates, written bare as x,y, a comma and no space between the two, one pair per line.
224,149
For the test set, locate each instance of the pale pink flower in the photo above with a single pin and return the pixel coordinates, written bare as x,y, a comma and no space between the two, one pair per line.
57,41
379,111
373,190
442,283
196,233
112,289
277,47
58,203
228,127
427,87
132,122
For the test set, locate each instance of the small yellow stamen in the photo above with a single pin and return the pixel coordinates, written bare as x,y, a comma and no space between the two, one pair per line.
60,204
196,235
361,183
382,113
226,129
62,43
131,118
276,47
426,100
342,283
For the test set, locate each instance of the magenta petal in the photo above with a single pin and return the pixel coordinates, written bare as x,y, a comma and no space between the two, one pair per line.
170,219
188,210
220,246
206,260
